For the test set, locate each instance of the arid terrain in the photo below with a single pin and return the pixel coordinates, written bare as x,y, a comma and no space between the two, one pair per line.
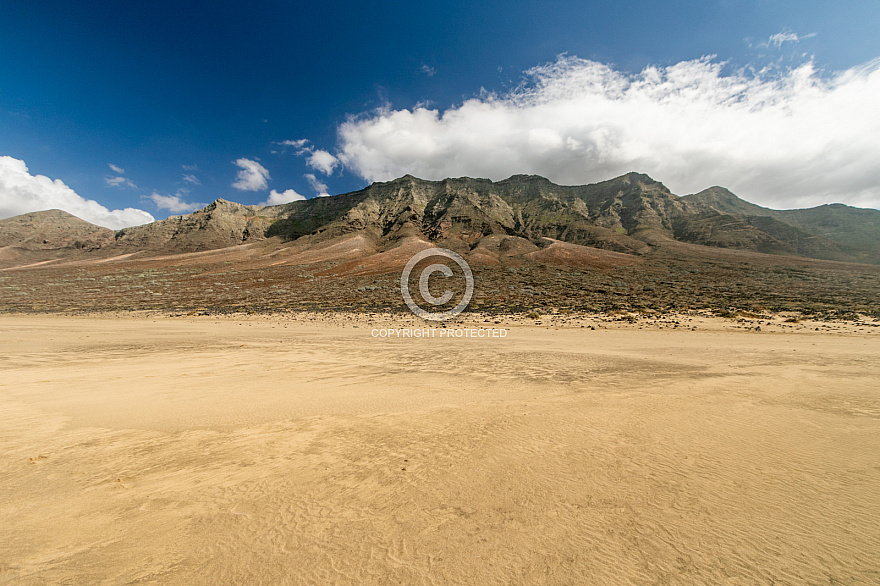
302,449
624,245
685,392
272,277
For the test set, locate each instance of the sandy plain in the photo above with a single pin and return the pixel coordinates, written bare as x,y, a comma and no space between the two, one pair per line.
269,450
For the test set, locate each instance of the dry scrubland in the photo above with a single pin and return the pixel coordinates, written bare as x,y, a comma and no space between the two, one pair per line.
299,449
272,276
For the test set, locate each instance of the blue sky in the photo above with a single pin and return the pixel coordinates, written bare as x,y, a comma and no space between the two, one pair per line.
193,101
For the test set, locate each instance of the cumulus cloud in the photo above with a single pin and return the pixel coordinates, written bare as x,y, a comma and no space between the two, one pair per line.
21,192
317,159
322,161
783,138
287,196
252,176
319,187
173,203
116,169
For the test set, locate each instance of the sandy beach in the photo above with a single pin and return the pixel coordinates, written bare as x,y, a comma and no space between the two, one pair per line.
267,450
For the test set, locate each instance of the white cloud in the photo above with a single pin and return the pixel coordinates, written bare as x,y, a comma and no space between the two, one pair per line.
173,203
189,178
190,167
322,161
780,138
119,182
319,187
428,70
287,196
785,37
21,192
252,176
318,159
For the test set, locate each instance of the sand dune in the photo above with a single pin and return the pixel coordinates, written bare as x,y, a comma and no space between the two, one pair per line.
280,451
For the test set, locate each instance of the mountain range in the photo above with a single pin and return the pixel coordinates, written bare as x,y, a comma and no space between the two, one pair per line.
631,214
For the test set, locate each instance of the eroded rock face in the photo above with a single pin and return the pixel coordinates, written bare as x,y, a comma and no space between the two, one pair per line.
467,210
630,214
218,225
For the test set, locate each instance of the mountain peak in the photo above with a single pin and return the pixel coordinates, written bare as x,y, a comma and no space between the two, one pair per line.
224,205
722,200
52,229
525,179
403,179
632,176
631,213
720,193
51,214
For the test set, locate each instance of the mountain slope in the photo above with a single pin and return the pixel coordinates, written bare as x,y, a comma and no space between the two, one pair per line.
218,225
52,230
631,214
623,214
832,231
855,230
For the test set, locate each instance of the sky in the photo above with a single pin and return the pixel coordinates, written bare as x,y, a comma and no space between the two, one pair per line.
122,113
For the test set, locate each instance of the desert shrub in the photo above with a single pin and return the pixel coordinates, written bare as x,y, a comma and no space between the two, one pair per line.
725,313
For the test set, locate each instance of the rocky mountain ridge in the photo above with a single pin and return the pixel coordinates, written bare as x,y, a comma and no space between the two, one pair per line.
631,214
